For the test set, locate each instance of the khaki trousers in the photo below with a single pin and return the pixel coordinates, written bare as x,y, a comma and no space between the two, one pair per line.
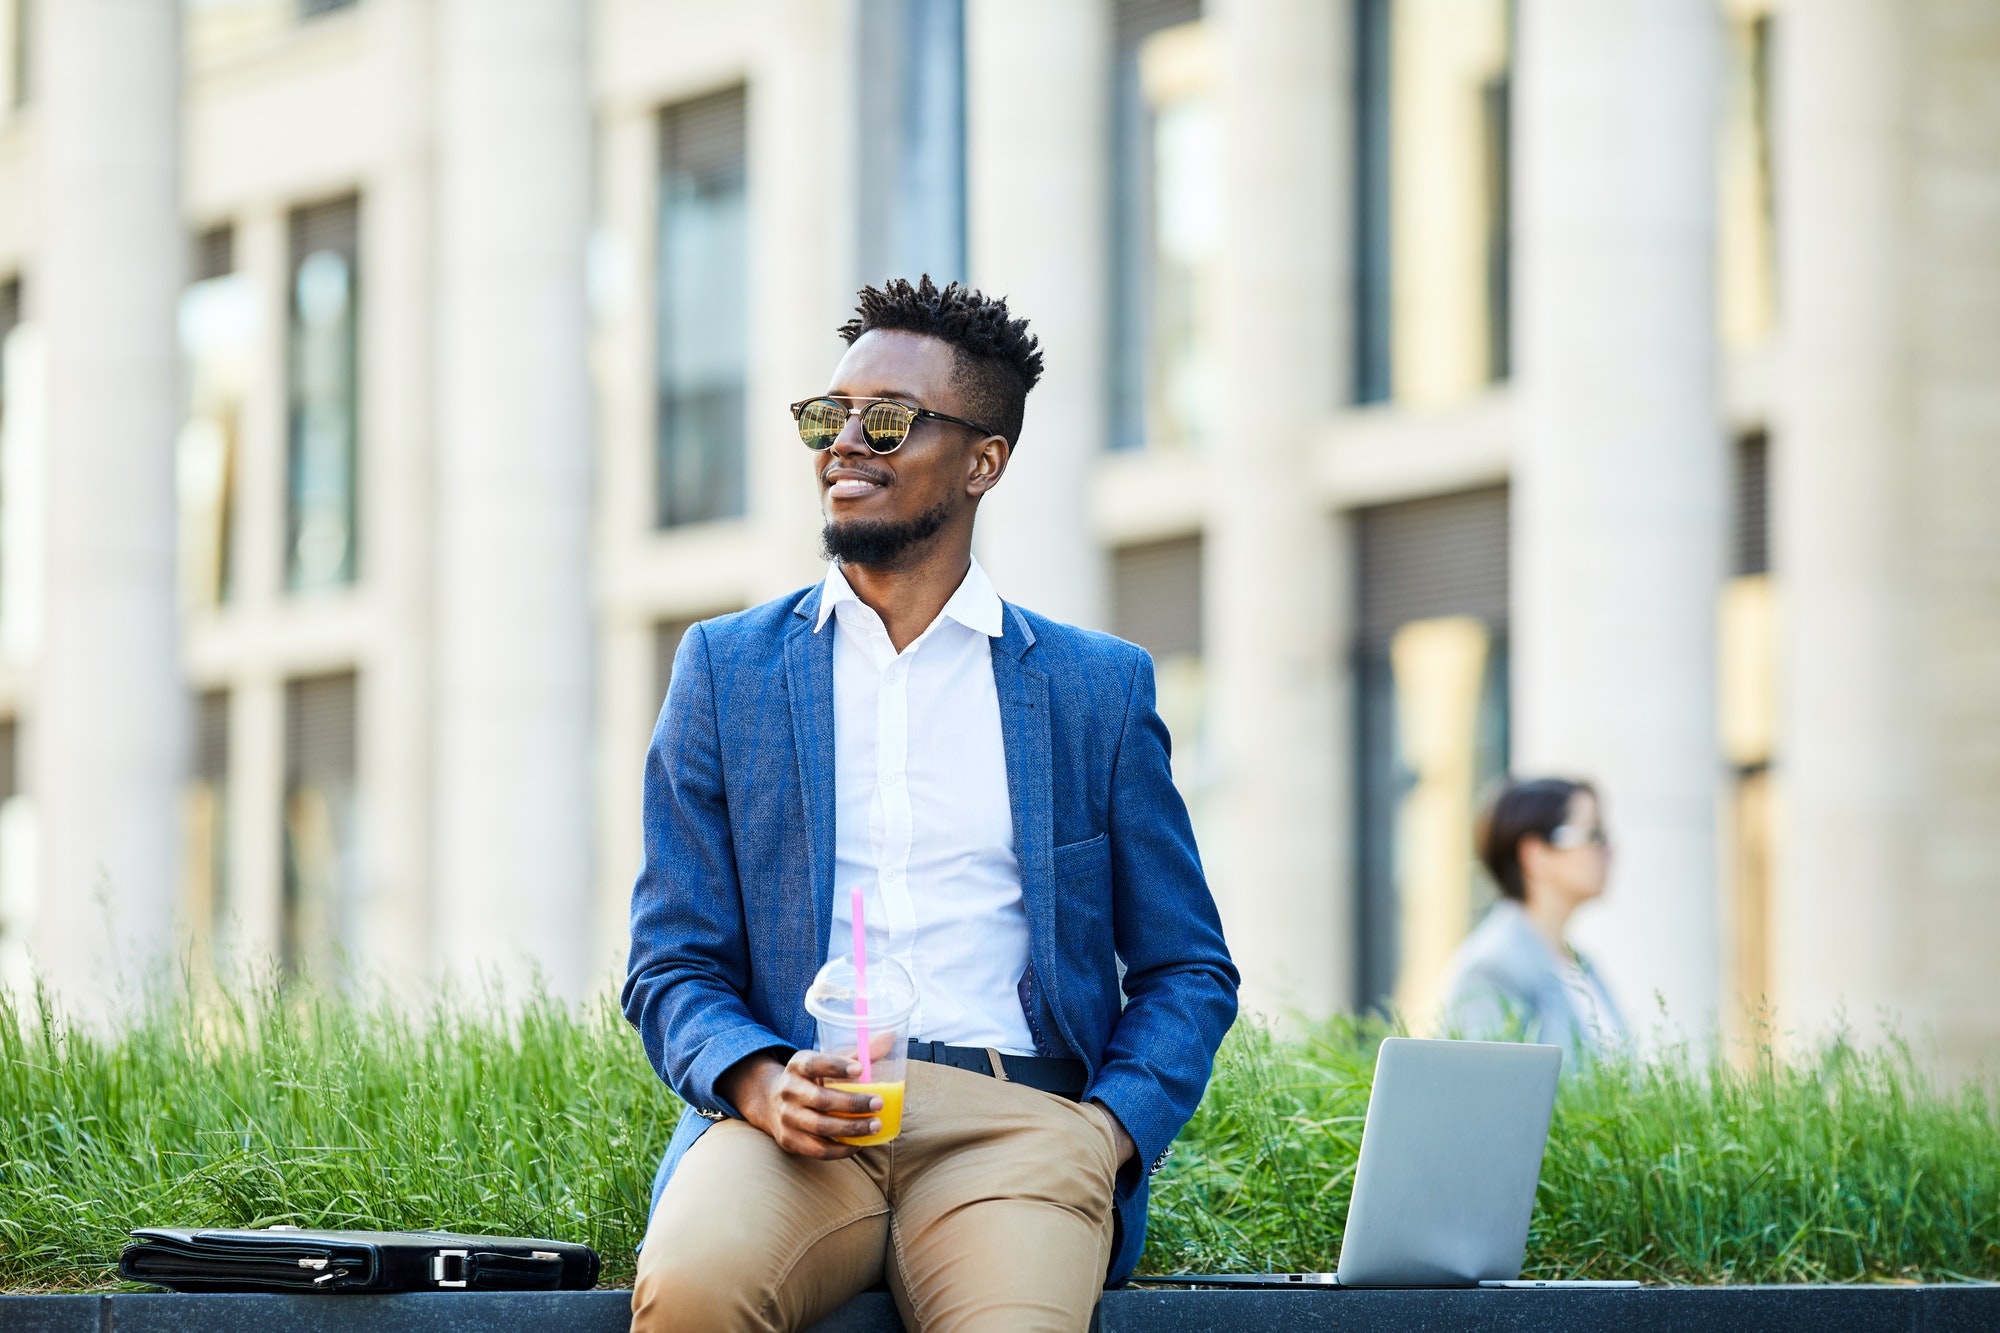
991,1210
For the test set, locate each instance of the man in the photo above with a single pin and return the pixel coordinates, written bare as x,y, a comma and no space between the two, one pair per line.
997,785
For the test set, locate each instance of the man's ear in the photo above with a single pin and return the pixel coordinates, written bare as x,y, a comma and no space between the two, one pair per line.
988,465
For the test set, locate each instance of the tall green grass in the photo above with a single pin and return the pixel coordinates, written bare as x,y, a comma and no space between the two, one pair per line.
524,1120
538,1119
1849,1166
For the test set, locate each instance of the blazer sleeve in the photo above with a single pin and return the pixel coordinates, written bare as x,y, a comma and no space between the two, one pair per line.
690,960
1180,985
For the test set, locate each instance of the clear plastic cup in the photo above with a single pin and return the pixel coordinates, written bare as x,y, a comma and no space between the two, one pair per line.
892,998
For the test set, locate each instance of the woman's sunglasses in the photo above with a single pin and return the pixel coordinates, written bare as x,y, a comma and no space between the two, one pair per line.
885,423
1568,837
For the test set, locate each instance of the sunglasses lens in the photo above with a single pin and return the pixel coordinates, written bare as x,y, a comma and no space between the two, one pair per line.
884,425
820,423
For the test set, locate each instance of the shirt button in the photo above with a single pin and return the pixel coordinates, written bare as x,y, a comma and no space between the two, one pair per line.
892,873
892,779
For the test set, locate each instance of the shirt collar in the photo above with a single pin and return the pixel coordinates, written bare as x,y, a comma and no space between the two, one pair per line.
975,605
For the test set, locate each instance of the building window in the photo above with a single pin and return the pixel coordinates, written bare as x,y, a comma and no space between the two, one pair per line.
1156,602
1433,173
20,50
320,825
703,278
1746,231
1747,646
205,885
321,517
17,881
1431,724
10,319
10,312
224,30
912,204
218,321
1752,534
1156,596
1167,218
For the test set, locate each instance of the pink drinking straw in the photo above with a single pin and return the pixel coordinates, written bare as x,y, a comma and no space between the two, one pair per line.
861,987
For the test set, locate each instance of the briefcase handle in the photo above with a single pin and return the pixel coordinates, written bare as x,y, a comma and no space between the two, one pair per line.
489,1270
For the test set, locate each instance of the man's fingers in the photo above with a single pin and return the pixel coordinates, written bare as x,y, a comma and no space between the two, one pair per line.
797,1089
832,1101
806,1121
812,1116
819,1064
809,1135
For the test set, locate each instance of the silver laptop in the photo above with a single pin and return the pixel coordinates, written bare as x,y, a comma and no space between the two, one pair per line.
1450,1157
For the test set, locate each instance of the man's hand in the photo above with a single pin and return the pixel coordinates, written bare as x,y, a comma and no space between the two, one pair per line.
1126,1148
787,1102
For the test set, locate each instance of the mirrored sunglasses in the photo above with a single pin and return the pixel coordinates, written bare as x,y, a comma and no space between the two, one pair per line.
885,423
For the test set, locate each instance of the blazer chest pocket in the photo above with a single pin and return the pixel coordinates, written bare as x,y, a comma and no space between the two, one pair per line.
1079,864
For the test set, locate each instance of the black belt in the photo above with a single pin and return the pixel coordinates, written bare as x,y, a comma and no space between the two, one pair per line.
1064,1078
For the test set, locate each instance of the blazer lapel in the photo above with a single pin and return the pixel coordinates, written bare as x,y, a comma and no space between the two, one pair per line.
1024,729
809,686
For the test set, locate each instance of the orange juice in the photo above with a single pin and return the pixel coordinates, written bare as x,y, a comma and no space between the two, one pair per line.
891,1114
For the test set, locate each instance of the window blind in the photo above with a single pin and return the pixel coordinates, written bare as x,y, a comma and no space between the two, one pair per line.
1156,596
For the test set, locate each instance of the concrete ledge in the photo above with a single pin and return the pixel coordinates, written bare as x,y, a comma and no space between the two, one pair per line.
1880,1309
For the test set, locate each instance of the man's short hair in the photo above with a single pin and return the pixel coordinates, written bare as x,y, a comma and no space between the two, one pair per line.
996,359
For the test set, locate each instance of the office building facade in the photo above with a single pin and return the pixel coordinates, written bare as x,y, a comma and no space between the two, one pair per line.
1438,389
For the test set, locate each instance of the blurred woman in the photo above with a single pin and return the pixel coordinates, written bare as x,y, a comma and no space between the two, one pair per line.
1517,976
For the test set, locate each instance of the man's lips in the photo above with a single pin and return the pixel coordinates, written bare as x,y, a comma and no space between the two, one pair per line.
843,483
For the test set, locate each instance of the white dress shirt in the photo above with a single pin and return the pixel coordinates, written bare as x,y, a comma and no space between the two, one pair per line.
922,820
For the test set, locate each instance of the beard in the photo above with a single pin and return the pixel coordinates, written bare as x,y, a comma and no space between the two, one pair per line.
882,543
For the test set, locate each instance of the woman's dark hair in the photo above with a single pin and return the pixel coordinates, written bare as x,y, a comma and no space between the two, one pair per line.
1521,808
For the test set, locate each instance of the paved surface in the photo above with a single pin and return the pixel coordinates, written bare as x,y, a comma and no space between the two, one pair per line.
1882,1309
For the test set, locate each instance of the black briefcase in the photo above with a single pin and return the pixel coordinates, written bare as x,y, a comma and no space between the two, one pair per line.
289,1259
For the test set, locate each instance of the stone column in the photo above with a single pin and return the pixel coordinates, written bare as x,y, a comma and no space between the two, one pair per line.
253,936
1850,778
253,932
396,926
513,612
1887,489
804,264
1955,337
108,726
1278,805
1038,174
1618,498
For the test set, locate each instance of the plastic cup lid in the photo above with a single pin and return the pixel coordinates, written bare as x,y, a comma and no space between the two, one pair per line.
891,993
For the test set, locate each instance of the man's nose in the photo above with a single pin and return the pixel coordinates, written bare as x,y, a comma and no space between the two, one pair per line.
850,443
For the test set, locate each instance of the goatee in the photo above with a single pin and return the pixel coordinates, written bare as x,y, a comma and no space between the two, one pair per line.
880,542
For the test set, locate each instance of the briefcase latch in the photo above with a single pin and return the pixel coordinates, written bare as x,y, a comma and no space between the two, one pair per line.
448,1267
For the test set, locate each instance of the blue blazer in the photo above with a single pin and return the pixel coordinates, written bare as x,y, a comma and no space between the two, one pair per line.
732,909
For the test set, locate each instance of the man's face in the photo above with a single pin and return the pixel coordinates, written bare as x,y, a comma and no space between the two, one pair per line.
936,478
